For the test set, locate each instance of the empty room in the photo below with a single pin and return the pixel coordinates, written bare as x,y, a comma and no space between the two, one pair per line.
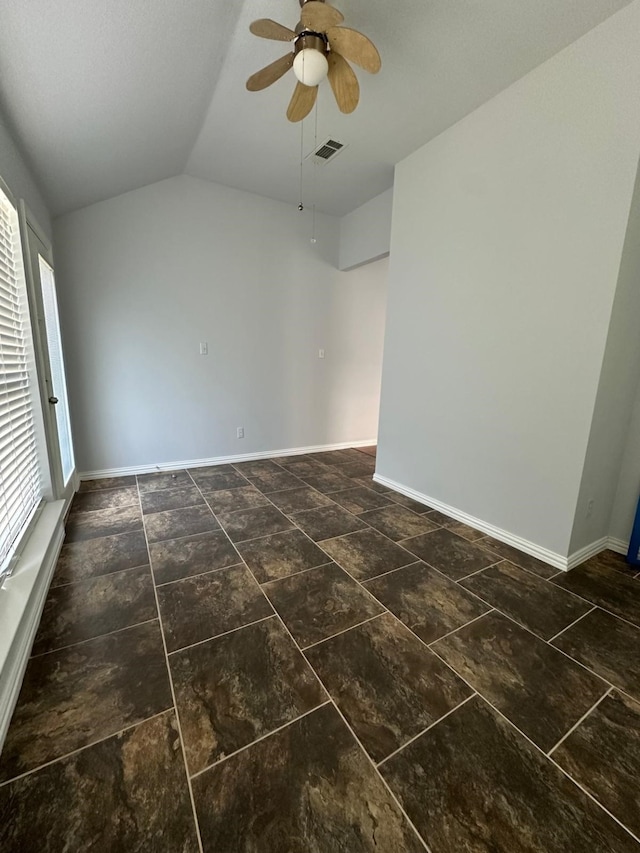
320,426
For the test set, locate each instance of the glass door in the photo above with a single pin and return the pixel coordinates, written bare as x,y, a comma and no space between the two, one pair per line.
51,362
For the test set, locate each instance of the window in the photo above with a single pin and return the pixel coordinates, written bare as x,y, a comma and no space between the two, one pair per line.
20,489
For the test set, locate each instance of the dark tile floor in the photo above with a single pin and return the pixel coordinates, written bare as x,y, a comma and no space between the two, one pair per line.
282,656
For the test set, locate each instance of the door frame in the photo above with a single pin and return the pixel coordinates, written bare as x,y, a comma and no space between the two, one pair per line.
54,489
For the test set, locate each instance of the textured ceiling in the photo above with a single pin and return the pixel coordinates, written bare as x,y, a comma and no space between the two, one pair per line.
108,97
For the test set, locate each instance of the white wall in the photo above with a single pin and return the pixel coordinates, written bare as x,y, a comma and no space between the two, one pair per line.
614,402
146,276
506,242
17,176
628,490
365,233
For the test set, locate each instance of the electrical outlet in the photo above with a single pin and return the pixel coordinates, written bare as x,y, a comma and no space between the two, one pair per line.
590,508
320,353
240,432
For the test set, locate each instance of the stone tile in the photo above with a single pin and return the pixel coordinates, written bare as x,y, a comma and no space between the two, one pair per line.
539,690
231,500
107,483
320,602
428,603
612,560
126,793
176,523
197,608
305,789
328,481
93,557
79,695
86,609
603,755
464,530
217,477
300,466
525,561
105,499
281,555
161,500
440,518
450,554
296,500
369,483
363,468
370,450
327,522
473,783
275,482
163,480
608,588
333,457
253,523
608,646
239,687
387,684
540,606
367,553
255,467
397,522
360,499
175,559
410,503
102,522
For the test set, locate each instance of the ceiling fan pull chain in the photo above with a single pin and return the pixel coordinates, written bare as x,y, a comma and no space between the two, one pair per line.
300,204
315,175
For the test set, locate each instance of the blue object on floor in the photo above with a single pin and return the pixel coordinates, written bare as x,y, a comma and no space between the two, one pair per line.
633,554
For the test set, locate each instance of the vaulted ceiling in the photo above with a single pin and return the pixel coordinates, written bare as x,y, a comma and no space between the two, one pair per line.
108,97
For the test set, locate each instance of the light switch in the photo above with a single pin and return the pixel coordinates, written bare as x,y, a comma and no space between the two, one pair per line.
320,353
204,348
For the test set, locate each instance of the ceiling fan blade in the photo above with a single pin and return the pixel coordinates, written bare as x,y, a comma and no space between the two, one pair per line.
270,73
268,29
343,82
302,101
319,16
355,47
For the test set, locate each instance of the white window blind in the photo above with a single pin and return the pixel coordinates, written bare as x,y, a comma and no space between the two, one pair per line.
20,489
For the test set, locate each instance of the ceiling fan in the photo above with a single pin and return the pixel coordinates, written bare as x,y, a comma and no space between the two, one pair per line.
321,49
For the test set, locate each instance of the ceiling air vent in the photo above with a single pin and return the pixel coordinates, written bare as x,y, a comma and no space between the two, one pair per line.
329,150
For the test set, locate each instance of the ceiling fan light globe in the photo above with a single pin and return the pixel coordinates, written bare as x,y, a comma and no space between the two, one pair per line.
310,66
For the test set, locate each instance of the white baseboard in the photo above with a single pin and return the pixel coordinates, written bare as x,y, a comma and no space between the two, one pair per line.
617,545
558,561
221,460
21,603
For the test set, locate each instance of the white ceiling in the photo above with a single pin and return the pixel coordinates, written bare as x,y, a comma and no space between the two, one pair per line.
107,97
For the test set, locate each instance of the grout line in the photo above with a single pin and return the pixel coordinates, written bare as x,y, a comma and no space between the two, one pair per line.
581,720
97,577
198,574
459,628
97,637
223,634
570,625
173,693
597,606
85,746
343,631
364,581
430,726
293,574
479,572
262,737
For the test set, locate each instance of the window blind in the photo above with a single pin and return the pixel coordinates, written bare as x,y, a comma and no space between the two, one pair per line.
20,489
